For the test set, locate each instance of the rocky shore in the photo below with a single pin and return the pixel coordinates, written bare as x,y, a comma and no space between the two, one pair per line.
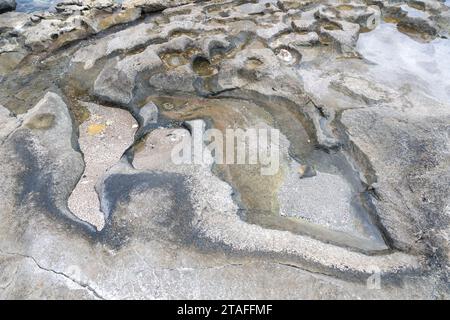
7,5
95,96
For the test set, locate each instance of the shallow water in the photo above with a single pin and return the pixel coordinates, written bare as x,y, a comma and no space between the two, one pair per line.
326,206
422,65
39,5
35,5
414,13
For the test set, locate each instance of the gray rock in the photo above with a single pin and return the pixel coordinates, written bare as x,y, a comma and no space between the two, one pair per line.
420,149
44,145
9,123
378,141
7,5
13,20
179,79
148,114
35,19
155,5
124,40
117,80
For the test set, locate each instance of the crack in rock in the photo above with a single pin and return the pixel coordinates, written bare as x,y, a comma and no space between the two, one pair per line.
59,273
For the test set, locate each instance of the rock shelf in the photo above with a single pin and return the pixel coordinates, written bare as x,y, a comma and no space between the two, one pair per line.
96,96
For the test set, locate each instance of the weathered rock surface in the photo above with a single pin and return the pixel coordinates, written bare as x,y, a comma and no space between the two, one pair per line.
156,5
97,96
99,154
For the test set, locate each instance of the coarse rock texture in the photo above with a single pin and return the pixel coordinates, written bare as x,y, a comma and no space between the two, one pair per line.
105,194
95,134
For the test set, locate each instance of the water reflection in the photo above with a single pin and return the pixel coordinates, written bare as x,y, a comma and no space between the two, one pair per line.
35,5
421,65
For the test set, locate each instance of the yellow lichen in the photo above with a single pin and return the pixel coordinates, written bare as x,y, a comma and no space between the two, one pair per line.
344,7
391,20
96,128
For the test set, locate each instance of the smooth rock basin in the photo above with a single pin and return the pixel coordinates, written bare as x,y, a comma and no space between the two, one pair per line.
284,201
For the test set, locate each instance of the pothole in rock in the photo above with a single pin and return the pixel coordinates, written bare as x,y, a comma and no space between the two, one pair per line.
203,67
311,192
288,55
414,32
331,26
174,59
